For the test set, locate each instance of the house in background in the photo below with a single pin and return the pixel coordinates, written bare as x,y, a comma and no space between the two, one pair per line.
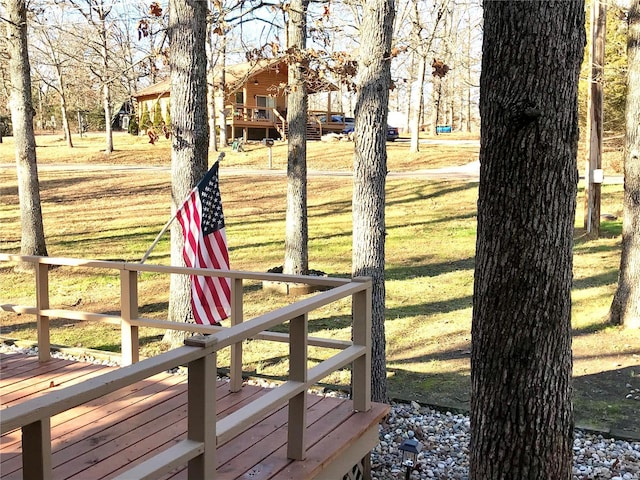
255,102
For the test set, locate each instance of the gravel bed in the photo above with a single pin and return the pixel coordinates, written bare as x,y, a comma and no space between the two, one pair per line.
445,447
445,441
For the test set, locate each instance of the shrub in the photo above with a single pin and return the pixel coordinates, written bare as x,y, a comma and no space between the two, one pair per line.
157,115
134,128
145,122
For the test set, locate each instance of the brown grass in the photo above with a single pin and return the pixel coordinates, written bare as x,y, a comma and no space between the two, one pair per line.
116,213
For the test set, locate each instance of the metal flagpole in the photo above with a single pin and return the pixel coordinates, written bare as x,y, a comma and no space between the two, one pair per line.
155,242
168,224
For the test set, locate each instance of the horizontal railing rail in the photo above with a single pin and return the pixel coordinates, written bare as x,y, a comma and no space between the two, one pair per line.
199,354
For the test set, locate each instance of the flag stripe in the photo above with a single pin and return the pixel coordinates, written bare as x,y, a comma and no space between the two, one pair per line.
205,246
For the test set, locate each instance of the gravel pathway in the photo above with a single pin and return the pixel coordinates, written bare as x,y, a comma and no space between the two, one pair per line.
445,443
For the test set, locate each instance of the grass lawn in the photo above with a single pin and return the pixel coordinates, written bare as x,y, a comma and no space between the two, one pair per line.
114,214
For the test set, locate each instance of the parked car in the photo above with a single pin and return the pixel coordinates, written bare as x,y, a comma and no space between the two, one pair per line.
392,132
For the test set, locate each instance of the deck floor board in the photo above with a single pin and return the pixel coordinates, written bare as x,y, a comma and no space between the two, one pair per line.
106,436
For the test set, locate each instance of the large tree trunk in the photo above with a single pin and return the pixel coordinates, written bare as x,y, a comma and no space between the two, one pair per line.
190,138
521,412
32,241
625,308
370,170
296,256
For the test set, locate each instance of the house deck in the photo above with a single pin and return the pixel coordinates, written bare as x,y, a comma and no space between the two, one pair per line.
104,437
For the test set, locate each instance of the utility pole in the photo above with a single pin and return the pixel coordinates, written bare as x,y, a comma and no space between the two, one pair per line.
593,170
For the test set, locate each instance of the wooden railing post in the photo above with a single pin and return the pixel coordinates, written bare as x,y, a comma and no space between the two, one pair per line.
296,449
36,450
130,343
42,303
361,377
201,397
237,313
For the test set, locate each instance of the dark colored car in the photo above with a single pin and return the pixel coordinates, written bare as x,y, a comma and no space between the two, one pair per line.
392,132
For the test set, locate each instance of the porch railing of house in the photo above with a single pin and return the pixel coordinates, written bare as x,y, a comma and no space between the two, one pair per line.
254,113
199,353
251,113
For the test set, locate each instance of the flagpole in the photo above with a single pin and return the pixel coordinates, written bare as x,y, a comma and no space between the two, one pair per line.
168,224
155,242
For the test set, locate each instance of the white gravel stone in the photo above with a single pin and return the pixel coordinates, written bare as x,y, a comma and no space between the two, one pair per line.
445,449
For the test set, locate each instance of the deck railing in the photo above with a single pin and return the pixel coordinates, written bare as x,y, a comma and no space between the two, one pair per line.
199,353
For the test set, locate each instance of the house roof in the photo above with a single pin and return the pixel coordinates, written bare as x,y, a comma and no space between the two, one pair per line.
155,89
237,75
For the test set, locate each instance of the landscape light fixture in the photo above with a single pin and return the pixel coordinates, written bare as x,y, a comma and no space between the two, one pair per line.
410,449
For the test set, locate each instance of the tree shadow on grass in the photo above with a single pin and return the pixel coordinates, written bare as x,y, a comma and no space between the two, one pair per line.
411,193
606,278
608,229
142,341
422,267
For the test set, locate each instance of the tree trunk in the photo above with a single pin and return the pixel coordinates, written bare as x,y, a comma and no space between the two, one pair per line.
370,170
211,112
417,110
106,89
63,107
190,138
436,96
420,57
468,72
22,112
212,90
595,120
521,412
221,93
65,121
296,257
625,308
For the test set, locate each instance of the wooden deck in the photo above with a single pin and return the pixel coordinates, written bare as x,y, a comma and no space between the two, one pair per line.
104,437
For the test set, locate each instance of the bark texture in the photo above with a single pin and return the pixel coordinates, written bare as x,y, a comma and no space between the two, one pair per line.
521,412
22,112
595,121
106,89
296,257
370,171
190,136
625,308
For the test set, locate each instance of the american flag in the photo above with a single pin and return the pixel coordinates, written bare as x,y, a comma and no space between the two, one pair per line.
205,246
